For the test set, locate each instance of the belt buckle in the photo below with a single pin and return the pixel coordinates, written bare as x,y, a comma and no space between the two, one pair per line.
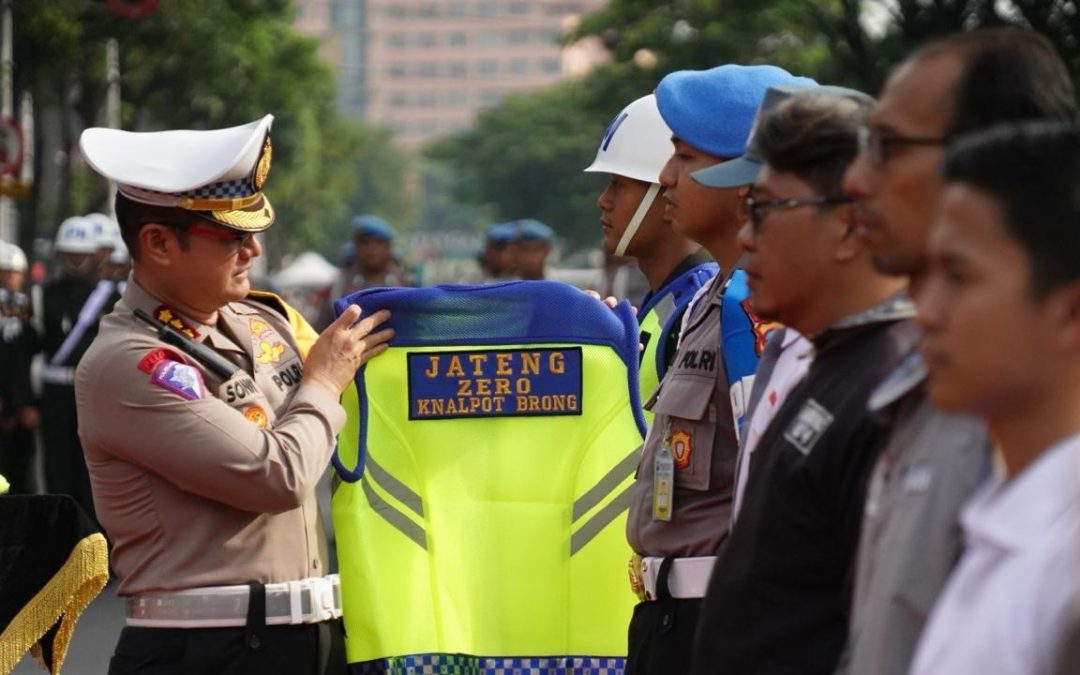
637,583
321,596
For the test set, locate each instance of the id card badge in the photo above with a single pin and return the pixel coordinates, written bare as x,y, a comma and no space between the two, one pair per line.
663,483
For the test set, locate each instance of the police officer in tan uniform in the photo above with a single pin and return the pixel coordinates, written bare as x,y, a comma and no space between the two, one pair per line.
204,450
680,503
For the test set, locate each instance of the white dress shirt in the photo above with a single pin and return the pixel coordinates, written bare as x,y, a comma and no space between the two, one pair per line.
1008,600
796,353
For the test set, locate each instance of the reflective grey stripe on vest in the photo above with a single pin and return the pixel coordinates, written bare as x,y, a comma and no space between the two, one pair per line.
594,495
602,519
395,518
395,488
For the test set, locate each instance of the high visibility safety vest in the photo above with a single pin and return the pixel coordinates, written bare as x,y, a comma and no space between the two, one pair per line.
660,314
486,469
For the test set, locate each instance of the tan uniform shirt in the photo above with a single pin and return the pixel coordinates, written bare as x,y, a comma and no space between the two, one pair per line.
211,484
693,414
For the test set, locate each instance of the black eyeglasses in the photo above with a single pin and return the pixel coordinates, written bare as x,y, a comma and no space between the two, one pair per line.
757,209
875,143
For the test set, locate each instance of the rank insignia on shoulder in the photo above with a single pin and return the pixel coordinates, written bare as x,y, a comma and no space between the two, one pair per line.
179,378
257,416
170,316
156,356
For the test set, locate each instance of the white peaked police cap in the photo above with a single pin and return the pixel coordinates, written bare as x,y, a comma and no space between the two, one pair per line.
219,173
636,144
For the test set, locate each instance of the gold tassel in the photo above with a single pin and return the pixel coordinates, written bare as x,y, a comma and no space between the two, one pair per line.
63,599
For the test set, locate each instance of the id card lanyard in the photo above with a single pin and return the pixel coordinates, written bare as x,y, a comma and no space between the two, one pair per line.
664,478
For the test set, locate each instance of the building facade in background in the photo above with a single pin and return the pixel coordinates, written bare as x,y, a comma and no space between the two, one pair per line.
425,67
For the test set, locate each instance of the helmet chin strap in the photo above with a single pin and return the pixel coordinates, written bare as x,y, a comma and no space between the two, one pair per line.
639,215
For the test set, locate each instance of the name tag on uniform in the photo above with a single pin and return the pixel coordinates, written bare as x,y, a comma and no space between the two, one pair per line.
494,383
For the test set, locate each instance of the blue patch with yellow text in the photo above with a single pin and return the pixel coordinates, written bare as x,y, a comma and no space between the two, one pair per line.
494,383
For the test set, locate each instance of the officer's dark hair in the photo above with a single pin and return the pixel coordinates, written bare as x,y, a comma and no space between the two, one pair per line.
132,215
813,136
1009,74
1032,170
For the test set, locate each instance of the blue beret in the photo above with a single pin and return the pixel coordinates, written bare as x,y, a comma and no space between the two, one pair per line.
500,233
713,110
534,230
373,226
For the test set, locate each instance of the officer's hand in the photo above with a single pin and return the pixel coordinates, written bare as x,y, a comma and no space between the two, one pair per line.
611,301
344,346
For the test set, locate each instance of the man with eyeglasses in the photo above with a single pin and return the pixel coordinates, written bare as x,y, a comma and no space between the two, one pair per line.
911,537
779,594
208,413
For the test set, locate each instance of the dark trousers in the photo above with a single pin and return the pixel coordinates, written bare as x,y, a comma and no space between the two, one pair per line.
661,635
65,463
303,650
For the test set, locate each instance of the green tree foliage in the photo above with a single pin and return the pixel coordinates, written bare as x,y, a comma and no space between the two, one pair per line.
540,143
852,42
208,64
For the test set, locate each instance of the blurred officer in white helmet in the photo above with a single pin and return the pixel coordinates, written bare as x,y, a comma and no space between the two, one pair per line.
18,343
72,306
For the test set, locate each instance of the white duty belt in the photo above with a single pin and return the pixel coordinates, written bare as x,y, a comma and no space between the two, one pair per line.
311,600
688,577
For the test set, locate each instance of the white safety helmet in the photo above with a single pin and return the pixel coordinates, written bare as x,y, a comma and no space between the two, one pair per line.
12,258
76,235
106,230
636,144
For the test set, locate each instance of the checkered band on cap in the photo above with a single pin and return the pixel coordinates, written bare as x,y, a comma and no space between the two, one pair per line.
465,664
229,189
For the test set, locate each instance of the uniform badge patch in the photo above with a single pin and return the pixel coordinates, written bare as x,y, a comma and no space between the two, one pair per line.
268,344
760,326
166,314
809,425
257,416
682,447
156,356
179,378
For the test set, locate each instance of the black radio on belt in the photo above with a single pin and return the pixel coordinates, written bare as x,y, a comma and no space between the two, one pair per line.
216,363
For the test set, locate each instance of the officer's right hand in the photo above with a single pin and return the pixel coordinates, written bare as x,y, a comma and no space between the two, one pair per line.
344,346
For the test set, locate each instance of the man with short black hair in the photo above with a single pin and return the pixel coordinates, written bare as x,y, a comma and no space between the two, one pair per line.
933,460
778,597
1000,305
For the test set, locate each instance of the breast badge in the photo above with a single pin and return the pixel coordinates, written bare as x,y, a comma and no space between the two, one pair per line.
682,446
268,344
257,416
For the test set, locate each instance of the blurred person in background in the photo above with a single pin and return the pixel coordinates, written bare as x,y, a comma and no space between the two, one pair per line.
373,263
528,250
19,415
493,259
72,306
